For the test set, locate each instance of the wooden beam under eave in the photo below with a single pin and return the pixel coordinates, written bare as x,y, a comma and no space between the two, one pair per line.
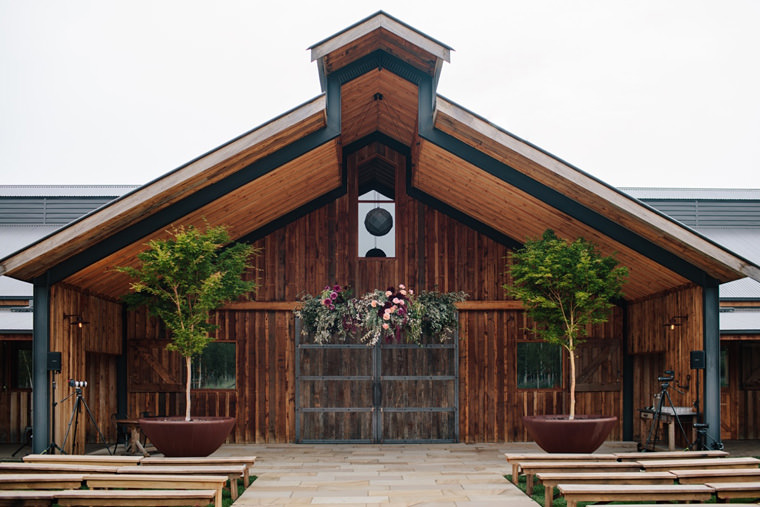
591,192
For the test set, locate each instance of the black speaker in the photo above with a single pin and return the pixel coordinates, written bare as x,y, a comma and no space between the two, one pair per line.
54,361
697,358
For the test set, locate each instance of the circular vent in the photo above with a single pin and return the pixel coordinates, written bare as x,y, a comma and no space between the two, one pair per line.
378,222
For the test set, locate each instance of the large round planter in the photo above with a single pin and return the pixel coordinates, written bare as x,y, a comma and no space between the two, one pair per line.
175,437
558,433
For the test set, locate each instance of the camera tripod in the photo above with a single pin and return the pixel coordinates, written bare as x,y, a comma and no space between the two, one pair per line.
654,428
74,419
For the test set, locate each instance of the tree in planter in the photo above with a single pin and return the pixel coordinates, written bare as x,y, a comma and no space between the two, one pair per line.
565,287
183,278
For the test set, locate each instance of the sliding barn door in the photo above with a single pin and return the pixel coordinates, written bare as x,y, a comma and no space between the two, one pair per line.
389,393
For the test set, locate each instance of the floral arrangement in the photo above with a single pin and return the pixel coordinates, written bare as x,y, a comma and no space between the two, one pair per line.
393,315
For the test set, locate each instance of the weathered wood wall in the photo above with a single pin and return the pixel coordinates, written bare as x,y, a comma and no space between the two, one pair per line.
740,399
656,348
89,353
433,252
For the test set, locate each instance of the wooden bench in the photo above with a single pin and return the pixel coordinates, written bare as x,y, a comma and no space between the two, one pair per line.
575,493
515,459
54,468
40,481
232,472
552,479
535,467
26,498
728,490
719,475
636,456
83,459
663,465
249,461
135,497
148,481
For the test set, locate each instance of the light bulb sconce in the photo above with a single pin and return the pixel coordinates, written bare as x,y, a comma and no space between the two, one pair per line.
676,321
75,319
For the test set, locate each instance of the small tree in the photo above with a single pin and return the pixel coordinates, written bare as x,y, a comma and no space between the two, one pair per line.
565,287
182,279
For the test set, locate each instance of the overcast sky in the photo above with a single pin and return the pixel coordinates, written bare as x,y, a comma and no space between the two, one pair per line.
636,93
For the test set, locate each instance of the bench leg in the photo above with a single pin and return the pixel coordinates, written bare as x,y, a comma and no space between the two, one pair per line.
218,497
529,484
515,474
233,488
548,496
246,478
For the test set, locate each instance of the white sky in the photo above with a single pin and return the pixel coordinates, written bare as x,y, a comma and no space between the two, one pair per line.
635,92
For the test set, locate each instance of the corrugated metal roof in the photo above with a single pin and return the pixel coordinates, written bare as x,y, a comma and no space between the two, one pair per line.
744,289
111,191
723,194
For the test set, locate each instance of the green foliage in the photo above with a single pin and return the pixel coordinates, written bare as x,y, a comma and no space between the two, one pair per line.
565,286
183,278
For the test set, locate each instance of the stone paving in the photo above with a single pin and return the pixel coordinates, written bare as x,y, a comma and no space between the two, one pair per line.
442,474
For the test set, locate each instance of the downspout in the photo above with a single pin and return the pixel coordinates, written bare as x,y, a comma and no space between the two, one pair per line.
40,349
710,300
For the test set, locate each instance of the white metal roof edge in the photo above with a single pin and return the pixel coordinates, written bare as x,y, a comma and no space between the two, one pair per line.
380,20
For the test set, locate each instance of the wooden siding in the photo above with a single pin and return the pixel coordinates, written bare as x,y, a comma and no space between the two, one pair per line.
434,252
89,353
656,348
740,400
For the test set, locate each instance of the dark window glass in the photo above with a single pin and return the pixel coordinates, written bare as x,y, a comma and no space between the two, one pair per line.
539,365
21,364
215,368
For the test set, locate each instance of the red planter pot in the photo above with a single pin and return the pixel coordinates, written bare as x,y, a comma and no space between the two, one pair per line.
175,437
557,433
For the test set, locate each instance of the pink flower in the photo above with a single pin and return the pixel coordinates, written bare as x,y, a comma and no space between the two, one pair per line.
327,302
403,292
411,292
374,304
395,301
385,325
386,316
388,293
401,286
401,302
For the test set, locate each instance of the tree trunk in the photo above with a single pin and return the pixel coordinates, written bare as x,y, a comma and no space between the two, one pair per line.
572,384
189,367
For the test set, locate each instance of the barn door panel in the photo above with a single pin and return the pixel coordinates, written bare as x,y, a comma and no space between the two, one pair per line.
599,365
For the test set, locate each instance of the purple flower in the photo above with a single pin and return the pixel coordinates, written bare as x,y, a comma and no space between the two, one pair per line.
336,288
334,296
327,302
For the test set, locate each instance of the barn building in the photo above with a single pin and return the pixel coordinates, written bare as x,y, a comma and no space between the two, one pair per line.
462,193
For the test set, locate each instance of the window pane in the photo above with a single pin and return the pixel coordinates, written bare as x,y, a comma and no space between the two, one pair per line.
539,365
215,368
22,369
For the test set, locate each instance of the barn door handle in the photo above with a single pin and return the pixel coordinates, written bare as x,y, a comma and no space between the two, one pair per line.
377,394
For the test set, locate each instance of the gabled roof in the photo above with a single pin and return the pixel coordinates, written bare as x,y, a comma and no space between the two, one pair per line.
380,77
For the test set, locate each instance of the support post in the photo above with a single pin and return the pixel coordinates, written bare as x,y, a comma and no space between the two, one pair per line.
40,348
710,299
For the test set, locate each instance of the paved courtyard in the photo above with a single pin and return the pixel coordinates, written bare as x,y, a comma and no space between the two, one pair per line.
442,474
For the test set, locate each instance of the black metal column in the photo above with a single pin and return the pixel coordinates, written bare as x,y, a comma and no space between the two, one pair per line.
40,348
712,365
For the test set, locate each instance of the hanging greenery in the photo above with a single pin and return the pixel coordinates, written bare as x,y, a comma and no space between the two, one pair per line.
395,314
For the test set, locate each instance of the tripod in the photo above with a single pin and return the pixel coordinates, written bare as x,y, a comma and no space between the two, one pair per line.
52,446
654,428
75,416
